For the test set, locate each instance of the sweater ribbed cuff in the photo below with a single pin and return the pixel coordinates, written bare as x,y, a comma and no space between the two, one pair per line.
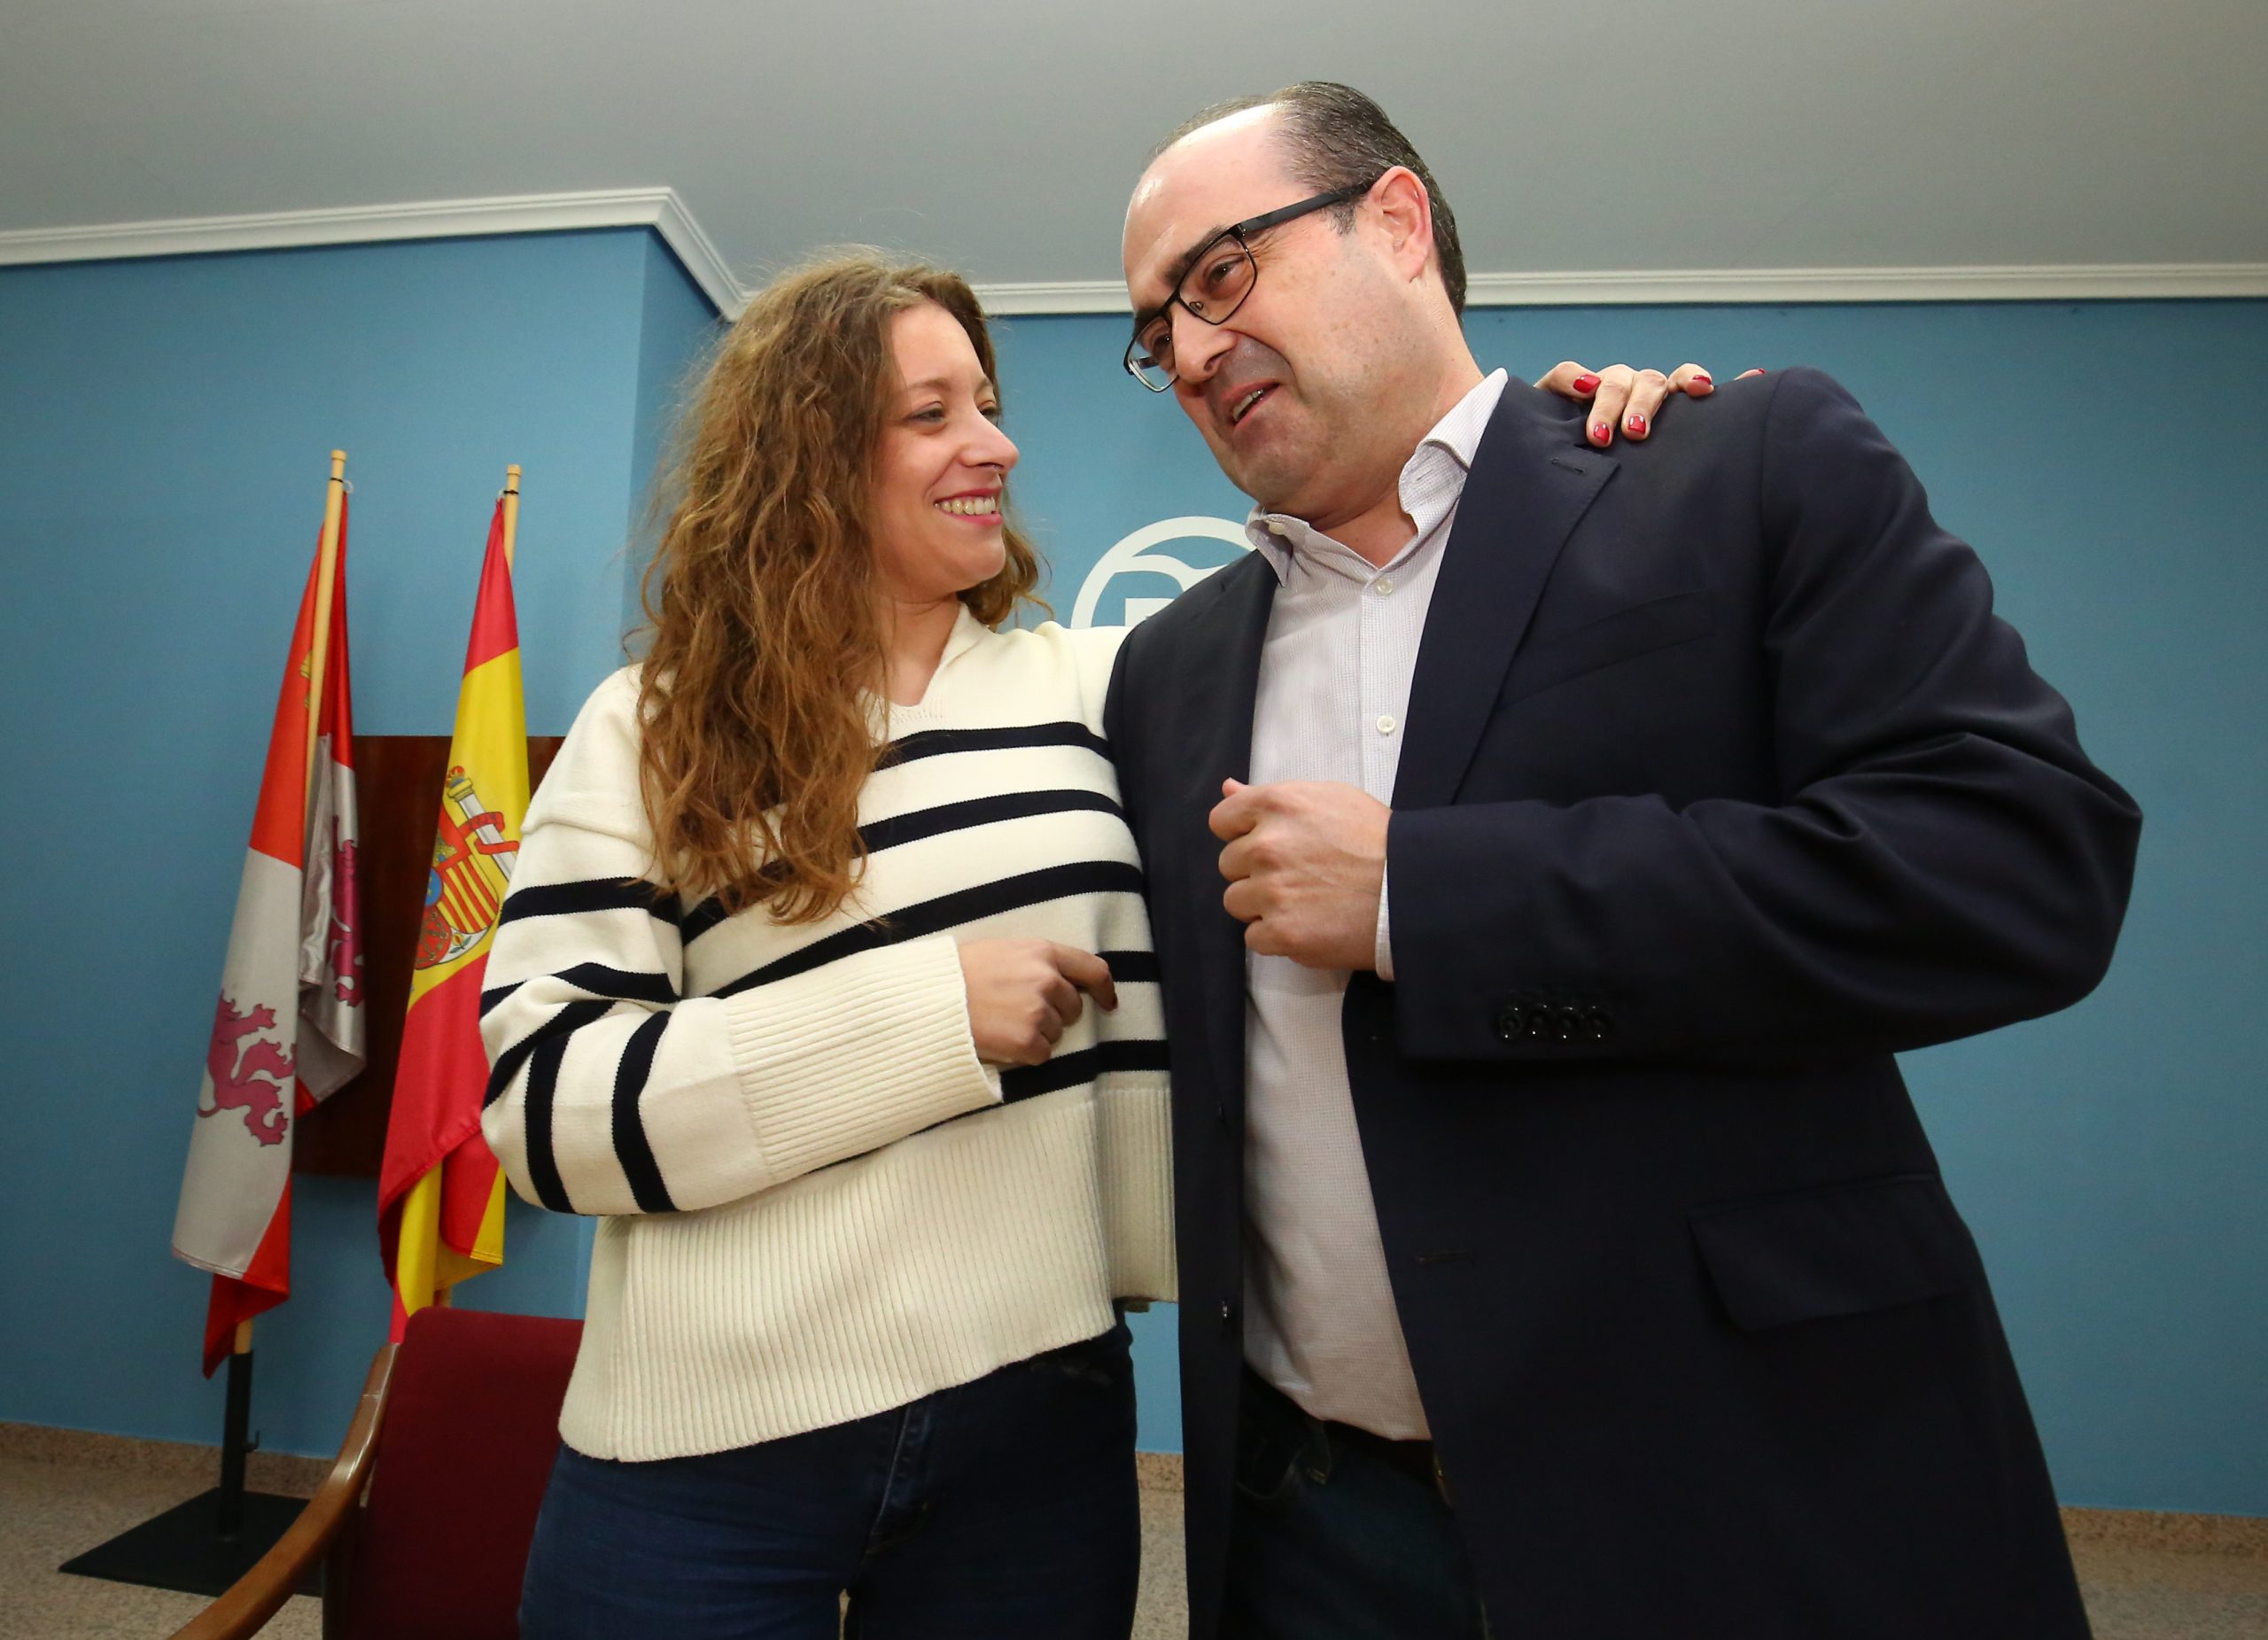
841,1061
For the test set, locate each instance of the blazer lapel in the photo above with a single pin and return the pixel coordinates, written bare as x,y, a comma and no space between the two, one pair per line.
1528,488
1217,699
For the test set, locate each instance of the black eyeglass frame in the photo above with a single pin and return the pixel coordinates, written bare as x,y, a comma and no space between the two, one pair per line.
1241,232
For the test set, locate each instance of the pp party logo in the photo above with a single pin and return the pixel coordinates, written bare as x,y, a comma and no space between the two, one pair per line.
1143,572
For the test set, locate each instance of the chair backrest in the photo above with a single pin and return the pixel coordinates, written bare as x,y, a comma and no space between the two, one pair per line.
471,1425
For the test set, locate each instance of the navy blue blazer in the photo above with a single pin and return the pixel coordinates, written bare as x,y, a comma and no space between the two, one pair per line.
1722,784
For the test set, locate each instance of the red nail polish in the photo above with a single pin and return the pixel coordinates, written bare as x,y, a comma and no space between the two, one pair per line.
1587,384
1637,426
1704,378
1601,431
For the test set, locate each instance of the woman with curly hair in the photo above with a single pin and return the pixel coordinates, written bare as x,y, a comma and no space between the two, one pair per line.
825,981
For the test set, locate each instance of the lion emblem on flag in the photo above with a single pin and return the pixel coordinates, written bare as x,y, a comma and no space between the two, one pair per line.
250,1077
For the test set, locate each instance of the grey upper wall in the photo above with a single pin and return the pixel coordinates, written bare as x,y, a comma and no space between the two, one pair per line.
1002,136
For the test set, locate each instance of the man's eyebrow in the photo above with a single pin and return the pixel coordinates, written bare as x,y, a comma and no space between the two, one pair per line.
1179,270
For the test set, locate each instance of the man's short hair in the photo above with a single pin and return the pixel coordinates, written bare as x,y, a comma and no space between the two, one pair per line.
1337,139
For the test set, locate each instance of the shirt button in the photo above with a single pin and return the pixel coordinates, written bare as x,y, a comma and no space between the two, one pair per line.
1383,586
1274,527
1387,724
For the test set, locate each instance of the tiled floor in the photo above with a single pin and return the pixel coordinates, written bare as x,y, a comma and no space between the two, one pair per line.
2188,1584
2164,1594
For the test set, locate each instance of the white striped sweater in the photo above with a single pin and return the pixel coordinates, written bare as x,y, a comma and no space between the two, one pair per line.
817,1204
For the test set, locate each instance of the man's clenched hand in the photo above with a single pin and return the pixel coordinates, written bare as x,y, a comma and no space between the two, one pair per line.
1305,861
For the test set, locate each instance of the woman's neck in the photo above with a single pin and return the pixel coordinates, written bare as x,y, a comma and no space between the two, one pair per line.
913,642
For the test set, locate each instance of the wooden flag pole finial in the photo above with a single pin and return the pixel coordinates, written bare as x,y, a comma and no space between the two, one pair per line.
511,512
326,589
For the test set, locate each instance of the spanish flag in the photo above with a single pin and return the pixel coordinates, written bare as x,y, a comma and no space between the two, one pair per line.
440,1196
288,1029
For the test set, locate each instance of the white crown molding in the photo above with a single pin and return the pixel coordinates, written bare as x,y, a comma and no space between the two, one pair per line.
1061,296
658,208
2084,282
661,209
2105,281
700,258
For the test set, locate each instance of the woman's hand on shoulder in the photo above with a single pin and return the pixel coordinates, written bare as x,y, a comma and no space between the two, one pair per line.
1624,397
1024,993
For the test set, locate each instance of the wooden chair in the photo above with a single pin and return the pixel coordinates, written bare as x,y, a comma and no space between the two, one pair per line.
423,1525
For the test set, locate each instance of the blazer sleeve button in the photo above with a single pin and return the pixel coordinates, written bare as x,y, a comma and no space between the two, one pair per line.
1598,1025
1228,1314
1511,1022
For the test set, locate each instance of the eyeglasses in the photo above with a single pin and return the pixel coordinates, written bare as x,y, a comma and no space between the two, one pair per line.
1219,277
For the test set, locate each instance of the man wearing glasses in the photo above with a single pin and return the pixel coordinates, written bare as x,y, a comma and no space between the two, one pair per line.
1560,1249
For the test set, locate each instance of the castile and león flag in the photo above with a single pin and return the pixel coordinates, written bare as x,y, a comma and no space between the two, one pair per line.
288,1027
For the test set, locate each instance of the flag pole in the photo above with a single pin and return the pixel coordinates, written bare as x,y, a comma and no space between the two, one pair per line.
511,510
444,1294
235,1441
203,1545
326,590
236,1444
420,1272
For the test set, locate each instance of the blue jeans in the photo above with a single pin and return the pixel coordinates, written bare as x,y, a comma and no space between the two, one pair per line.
1330,1542
992,1510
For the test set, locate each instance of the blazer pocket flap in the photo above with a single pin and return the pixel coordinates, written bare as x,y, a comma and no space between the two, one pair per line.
1641,629
1836,1251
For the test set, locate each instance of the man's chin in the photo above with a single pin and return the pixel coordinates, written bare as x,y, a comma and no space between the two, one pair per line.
1266,478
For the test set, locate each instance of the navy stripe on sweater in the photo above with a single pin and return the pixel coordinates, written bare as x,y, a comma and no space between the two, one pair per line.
938,742
1068,1070
542,1095
630,1146
1007,806
574,1016
622,984
916,824
559,900
947,911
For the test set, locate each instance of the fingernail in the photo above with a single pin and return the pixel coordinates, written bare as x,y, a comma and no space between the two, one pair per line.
1601,431
1704,378
1587,384
1635,426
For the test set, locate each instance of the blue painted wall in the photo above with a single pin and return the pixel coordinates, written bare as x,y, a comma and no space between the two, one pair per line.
165,429
678,328
162,427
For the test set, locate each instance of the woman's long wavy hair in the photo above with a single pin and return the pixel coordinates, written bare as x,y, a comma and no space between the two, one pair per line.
758,699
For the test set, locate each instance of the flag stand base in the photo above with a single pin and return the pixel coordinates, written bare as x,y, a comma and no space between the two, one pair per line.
203,1546
184,1548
